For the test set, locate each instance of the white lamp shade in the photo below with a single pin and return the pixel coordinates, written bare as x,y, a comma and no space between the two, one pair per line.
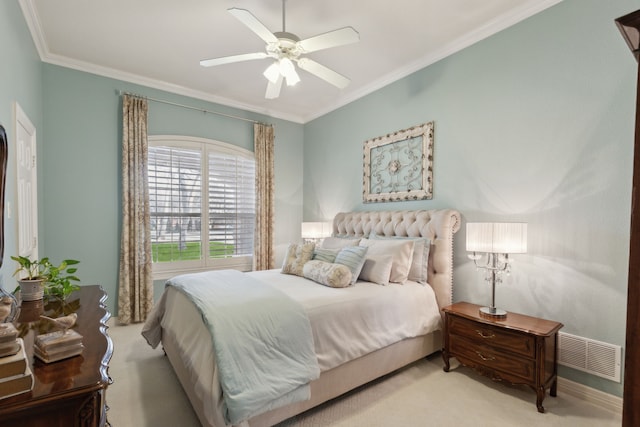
272,73
497,237
316,230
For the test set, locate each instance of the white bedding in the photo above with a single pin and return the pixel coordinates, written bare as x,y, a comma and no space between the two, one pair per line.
347,323
350,322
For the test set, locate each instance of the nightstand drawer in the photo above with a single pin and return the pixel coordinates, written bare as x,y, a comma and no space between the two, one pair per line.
487,356
492,336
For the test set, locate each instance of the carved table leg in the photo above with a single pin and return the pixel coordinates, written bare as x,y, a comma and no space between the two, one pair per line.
540,397
445,357
554,388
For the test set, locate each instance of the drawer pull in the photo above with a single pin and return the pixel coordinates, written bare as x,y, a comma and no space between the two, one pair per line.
481,356
484,335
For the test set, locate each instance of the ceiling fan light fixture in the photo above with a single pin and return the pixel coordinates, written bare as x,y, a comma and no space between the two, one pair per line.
286,48
286,67
272,72
292,79
288,71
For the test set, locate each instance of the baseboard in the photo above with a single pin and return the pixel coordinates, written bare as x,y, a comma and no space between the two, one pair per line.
591,395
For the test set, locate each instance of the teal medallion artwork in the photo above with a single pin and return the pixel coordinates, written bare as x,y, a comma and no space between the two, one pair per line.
399,166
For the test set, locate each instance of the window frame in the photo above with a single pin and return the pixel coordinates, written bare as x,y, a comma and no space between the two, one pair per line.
165,270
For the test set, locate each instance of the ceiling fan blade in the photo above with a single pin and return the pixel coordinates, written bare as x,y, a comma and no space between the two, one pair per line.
323,72
234,58
254,25
273,89
334,38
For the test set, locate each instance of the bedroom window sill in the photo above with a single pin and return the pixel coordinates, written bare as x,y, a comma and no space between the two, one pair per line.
234,264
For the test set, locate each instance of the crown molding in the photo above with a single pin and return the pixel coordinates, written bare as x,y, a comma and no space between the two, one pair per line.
496,25
164,86
37,34
35,28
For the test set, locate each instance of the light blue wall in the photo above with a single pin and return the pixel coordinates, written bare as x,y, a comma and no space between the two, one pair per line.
533,124
21,82
81,165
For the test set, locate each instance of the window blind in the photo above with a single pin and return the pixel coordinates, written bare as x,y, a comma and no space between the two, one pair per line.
175,193
231,204
200,219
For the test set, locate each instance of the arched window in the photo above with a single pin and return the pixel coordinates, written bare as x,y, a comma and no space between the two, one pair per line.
202,205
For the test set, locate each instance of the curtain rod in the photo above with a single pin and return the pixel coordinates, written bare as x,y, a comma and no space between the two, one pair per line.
162,101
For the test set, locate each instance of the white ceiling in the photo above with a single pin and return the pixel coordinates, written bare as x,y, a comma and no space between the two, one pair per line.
159,43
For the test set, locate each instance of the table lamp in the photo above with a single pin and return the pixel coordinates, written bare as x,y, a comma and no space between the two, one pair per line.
495,241
315,231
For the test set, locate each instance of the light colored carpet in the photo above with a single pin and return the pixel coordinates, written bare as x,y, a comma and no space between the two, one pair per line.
147,393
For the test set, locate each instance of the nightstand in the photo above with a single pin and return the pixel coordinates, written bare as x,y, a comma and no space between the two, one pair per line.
519,349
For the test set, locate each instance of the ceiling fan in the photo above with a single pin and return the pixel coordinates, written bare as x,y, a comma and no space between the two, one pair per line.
286,49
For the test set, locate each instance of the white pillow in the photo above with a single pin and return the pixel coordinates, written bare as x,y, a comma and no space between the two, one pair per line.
339,242
422,245
377,269
401,252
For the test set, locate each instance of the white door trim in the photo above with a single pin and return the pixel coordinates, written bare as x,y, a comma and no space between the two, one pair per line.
27,184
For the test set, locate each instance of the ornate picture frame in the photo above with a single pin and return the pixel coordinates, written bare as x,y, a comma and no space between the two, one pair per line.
399,166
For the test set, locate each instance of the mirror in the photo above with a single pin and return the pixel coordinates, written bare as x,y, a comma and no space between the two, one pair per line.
3,175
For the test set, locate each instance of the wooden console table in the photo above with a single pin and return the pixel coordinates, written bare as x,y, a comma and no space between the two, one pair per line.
70,392
519,349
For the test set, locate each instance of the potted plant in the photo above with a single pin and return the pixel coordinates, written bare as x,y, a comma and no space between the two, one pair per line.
41,276
60,278
31,284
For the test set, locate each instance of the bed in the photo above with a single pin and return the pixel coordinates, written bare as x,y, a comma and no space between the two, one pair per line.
380,338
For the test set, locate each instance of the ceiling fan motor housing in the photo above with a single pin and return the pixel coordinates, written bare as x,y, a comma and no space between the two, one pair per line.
287,45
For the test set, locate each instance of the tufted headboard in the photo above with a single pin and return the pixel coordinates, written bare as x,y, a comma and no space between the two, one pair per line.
437,225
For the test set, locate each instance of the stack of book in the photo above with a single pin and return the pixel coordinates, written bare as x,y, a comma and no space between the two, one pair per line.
15,374
58,345
8,340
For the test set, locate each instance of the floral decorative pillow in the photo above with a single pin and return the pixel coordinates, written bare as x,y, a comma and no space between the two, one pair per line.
328,274
297,256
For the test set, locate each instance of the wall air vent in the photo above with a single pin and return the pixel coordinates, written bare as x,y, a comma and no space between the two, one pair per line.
595,357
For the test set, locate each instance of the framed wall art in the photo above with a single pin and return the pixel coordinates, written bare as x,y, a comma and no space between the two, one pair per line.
399,166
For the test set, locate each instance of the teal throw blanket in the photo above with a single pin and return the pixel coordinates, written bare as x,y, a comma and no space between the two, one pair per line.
262,340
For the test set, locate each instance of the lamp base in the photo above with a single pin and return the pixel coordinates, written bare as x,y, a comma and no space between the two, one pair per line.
493,313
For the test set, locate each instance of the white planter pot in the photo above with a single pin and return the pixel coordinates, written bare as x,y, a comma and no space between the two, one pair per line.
31,290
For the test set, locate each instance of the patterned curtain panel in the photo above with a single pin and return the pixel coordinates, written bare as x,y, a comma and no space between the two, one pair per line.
263,251
135,287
